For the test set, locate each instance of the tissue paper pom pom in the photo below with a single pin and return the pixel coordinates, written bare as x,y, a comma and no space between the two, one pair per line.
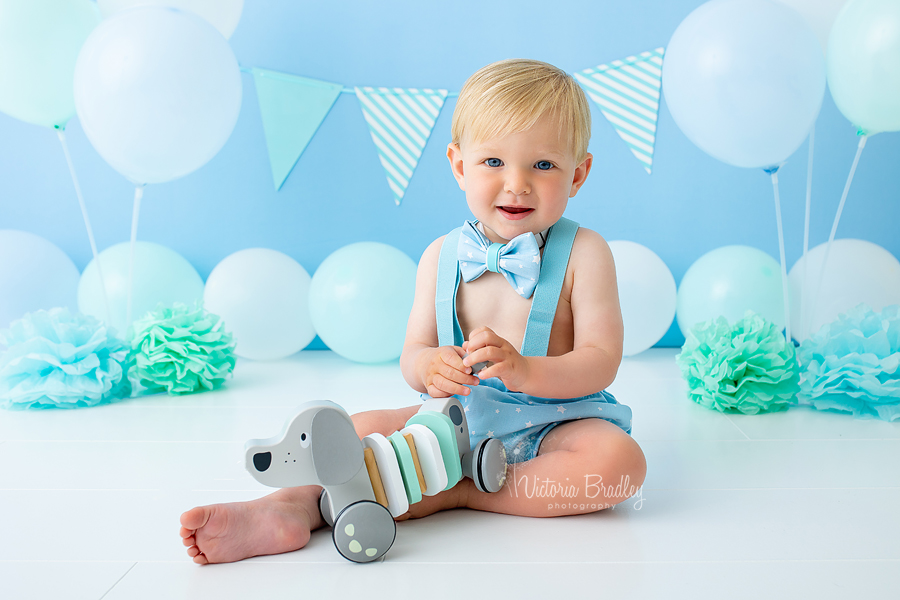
180,350
747,367
853,364
58,359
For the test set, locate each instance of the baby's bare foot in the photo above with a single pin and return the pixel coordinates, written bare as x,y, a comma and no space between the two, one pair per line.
280,522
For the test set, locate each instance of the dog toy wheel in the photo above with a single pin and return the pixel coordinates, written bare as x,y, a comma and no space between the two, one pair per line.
364,531
486,465
325,508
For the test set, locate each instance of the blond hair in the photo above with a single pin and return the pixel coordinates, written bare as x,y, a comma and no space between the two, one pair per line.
509,97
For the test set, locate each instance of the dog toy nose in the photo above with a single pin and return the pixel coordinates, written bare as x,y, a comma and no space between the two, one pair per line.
262,461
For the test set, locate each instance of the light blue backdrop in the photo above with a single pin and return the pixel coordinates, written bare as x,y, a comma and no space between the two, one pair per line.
337,194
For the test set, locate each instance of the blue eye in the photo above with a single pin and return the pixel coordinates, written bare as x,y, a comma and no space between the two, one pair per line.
493,162
544,165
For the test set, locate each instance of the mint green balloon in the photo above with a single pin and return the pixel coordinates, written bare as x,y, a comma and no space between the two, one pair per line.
727,282
360,299
864,64
161,275
39,44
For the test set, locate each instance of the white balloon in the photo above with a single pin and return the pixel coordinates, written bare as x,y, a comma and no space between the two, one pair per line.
262,296
857,271
647,295
222,14
820,14
157,91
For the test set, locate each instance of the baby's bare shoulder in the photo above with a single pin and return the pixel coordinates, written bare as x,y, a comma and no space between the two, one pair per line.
428,265
435,246
432,253
589,248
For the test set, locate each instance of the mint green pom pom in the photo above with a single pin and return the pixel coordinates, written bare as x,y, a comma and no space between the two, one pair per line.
180,351
746,367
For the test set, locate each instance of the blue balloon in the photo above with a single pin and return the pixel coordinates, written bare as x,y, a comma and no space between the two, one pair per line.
158,92
360,299
727,282
744,80
161,275
34,274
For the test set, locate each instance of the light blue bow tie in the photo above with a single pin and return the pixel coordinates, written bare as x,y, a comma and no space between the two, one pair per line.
519,260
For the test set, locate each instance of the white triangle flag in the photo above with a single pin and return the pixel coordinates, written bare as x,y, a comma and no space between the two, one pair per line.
400,121
627,92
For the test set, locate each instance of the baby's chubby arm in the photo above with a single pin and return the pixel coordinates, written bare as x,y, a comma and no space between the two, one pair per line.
592,364
427,368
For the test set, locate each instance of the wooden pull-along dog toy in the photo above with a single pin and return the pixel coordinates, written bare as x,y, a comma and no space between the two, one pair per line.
368,482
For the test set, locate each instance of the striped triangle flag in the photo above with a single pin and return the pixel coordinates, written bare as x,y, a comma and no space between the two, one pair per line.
292,108
400,121
627,92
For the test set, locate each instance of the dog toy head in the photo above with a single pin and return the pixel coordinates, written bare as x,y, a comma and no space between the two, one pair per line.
319,446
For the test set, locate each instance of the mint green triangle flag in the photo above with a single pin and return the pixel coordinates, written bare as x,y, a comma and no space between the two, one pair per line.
292,109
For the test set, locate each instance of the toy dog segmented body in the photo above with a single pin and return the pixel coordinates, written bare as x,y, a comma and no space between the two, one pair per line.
368,482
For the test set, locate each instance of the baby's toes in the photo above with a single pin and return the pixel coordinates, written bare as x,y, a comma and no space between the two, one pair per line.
189,541
195,518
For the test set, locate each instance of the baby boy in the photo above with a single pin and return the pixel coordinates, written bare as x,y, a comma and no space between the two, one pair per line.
520,289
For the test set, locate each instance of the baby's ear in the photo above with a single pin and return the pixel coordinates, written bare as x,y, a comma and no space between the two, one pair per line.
581,173
454,155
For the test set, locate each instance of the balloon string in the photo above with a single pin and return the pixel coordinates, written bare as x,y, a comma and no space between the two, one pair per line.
784,280
61,134
804,289
138,194
837,219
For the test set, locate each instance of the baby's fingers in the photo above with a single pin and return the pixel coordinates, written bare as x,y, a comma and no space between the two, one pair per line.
450,355
441,387
448,369
483,337
457,372
486,354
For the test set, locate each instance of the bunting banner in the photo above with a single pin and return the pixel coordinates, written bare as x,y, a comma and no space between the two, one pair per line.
292,108
400,121
627,92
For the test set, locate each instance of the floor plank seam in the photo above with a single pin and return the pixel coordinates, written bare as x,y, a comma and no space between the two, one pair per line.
118,581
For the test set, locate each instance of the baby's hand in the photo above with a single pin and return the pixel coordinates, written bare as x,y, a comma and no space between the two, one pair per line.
446,375
508,365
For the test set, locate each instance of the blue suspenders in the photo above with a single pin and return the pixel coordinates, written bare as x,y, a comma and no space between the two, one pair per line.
544,302
449,333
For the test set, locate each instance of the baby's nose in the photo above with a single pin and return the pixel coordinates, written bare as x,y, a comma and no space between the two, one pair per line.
517,184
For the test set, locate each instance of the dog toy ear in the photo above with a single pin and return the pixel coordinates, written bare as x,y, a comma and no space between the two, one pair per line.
336,450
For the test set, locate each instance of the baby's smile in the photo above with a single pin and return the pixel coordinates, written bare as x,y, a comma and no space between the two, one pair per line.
515,212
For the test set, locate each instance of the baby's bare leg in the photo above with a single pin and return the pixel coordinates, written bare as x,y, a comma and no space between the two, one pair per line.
284,520
582,466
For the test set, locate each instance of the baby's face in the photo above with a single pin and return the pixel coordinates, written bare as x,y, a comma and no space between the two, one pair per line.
520,182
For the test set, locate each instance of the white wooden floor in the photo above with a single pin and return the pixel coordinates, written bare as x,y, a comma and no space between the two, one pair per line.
798,504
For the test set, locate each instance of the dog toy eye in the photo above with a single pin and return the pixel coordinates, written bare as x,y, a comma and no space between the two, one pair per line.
304,440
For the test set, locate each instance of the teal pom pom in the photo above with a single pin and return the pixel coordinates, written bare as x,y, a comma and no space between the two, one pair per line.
56,359
747,367
853,364
180,351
